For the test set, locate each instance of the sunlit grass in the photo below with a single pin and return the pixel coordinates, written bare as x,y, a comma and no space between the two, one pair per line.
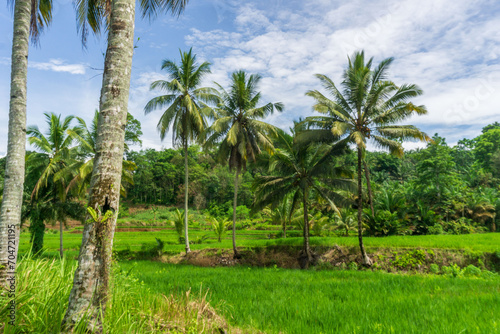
294,301
43,287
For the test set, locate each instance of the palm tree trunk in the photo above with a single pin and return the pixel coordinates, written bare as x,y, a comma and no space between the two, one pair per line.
365,259
89,294
236,255
369,186
306,257
186,197
284,229
307,248
10,213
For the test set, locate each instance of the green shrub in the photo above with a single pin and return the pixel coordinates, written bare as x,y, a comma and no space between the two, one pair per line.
435,229
472,270
409,260
352,266
434,268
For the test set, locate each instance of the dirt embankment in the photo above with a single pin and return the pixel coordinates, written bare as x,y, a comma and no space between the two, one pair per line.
390,260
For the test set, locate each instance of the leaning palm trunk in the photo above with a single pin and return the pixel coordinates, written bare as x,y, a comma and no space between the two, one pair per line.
365,259
89,294
369,187
10,216
236,255
186,198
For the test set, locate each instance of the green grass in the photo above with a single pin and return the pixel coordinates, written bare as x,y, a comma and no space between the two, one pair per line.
42,295
293,301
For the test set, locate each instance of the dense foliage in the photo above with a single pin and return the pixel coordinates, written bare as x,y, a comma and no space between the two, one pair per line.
433,190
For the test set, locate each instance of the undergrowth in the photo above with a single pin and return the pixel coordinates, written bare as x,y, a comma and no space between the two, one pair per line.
43,287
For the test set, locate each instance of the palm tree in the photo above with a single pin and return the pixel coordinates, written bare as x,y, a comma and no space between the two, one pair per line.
368,107
30,18
80,171
344,220
238,129
90,286
54,156
281,214
220,227
186,112
300,171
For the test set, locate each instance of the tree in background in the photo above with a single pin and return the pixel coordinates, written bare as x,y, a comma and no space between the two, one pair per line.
30,18
80,170
186,112
239,130
367,108
55,155
301,171
435,172
487,147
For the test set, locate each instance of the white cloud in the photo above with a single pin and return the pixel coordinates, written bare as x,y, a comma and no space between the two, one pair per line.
450,48
58,65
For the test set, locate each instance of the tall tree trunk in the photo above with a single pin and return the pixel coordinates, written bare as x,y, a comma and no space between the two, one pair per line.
306,257
284,229
10,213
186,197
369,186
365,259
89,294
236,255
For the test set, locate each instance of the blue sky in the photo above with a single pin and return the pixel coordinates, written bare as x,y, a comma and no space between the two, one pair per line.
451,48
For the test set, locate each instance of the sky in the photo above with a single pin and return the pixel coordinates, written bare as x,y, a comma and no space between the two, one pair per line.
450,48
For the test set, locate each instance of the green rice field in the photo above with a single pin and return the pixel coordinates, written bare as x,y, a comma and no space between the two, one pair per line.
293,301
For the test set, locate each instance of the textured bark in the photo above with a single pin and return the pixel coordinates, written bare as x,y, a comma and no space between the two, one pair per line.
186,197
10,213
365,259
235,201
369,186
90,285
306,257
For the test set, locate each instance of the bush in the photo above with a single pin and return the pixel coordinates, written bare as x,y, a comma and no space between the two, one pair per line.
472,270
242,212
353,266
435,229
434,268
409,260
460,226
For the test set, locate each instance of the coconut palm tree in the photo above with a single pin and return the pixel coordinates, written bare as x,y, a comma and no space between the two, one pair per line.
186,112
345,220
300,171
54,155
239,130
80,171
30,19
369,107
280,214
89,294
